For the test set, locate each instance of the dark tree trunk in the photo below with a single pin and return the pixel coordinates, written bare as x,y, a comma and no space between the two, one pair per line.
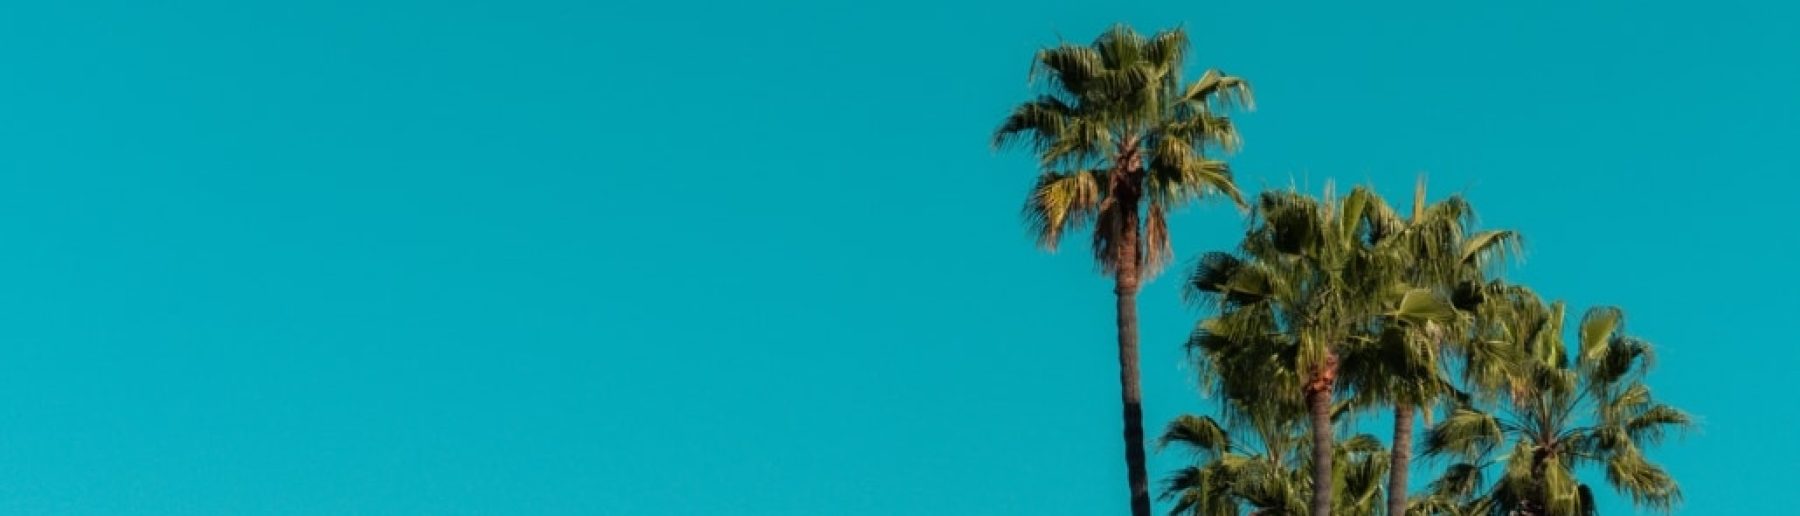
1126,289
1133,397
1402,458
1318,403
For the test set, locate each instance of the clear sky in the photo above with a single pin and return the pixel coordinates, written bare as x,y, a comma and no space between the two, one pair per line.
647,258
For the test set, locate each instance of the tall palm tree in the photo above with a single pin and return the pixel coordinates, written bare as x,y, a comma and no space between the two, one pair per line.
1311,281
1448,260
1265,465
1120,141
1562,413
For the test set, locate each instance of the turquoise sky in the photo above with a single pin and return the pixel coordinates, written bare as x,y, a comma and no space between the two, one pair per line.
647,258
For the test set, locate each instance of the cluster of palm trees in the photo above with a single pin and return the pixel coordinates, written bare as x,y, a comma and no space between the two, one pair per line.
1332,308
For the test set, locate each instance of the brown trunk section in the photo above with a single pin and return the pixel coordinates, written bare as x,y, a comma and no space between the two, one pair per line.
1133,397
1318,403
1126,289
1402,458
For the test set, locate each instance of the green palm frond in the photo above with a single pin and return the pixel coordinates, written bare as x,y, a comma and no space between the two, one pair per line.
1061,201
1070,68
1481,249
1217,91
1599,327
1157,250
1647,484
1653,423
1200,433
1465,434
1038,123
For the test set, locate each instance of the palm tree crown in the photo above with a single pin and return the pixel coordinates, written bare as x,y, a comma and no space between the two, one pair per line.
1562,413
1116,133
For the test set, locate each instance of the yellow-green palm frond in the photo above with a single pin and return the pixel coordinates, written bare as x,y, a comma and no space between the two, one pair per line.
1216,91
1652,423
1061,201
1202,434
1204,490
1068,67
1037,123
1155,250
1060,134
1465,434
1177,174
1485,248
1168,49
1647,484
1600,326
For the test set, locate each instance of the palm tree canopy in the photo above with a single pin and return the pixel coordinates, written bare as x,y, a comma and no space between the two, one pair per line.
1313,277
1116,132
1262,464
1564,411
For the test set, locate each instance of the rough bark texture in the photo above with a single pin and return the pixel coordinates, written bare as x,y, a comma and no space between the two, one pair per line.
1402,458
1132,395
1126,288
1318,403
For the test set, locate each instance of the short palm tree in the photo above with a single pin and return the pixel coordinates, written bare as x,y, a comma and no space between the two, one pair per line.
1265,466
1313,279
1120,142
1562,413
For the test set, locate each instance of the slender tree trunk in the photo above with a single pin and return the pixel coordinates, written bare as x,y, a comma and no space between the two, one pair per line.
1133,397
1402,459
1126,289
1318,403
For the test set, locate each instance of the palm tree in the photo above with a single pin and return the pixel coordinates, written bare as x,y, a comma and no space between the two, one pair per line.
1312,281
1402,369
1121,141
1562,413
1265,466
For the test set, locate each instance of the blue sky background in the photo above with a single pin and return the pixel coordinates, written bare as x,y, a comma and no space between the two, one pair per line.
644,258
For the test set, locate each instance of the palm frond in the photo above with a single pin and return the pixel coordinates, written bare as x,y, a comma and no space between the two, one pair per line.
1215,90
1647,484
1061,201
1201,433
1038,123
1156,250
1069,67
1653,424
1598,328
1466,434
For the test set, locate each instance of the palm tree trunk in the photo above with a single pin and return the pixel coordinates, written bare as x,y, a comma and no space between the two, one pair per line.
1133,397
1318,403
1403,411
1126,289
1402,458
